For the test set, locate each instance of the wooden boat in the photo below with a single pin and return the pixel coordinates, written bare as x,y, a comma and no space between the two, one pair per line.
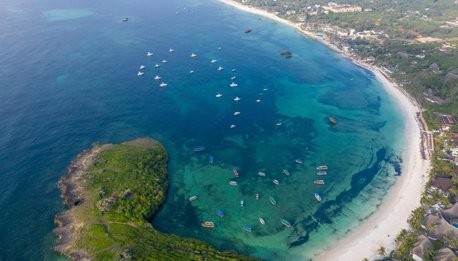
322,167
332,120
220,213
208,224
322,173
272,200
285,222
319,182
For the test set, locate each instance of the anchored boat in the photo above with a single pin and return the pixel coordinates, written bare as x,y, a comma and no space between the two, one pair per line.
208,224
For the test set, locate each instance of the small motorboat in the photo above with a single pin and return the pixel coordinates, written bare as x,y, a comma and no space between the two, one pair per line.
318,197
171,50
237,98
140,73
210,159
319,182
163,84
233,70
220,48
248,30
236,173
157,77
247,228
233,126
220,213
258,100
192,198
262,221
193,55
285,222
208,224
233,85
278,124
242,203
142,67
125,19
191,71
233,183
214,61
272,200
265,89
218,95
236,113
199,149
165,61
276,182
149,54
286,172
257,196
157,65
220,68
261,173
332,120
233,78
298,161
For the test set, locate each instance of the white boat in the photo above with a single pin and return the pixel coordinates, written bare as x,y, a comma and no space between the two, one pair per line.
219,95
233,84
262,221
242,203
261,173
317,197
142,67
164,61
233,126
149,54
233,78
286,172
258,100
193,55
275,182
157,77
163,84
233,183
192,71
171,50
192,198
220,68
214,61
220,48
278,124
140,73
157,65
265,89
233,70
237,99
236,113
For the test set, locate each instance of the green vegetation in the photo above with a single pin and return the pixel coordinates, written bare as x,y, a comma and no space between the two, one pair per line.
122,191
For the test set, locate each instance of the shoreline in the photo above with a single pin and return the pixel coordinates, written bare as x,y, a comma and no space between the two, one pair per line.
381,228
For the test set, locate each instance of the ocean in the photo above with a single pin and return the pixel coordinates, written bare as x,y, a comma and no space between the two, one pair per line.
68,79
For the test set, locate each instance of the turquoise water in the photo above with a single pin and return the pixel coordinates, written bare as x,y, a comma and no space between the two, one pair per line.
68,79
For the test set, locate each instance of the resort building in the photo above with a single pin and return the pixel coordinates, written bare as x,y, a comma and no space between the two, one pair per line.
345,8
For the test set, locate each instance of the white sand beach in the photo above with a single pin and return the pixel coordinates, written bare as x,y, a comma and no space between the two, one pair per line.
381,228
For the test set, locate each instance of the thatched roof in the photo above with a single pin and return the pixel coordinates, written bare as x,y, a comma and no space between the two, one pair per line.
442,183
451,213
441,227
421,246
445,254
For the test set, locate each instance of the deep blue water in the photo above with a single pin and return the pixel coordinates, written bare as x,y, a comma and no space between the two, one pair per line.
68,79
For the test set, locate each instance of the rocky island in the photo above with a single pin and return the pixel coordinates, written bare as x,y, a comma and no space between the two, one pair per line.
112,192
